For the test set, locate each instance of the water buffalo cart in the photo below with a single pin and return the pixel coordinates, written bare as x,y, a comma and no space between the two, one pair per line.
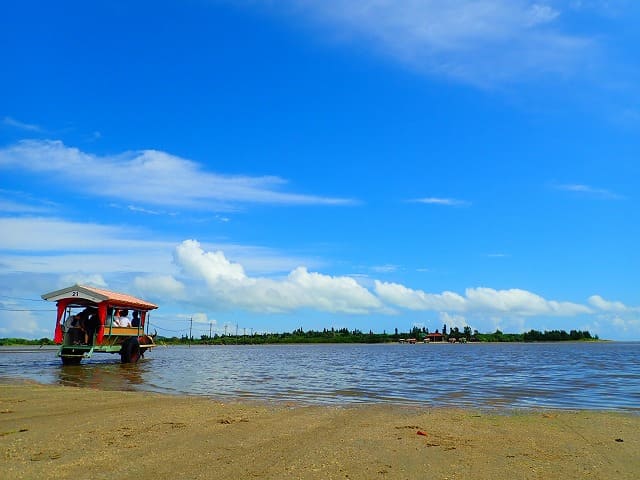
91,320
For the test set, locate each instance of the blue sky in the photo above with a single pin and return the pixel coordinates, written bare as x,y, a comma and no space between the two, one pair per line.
302,164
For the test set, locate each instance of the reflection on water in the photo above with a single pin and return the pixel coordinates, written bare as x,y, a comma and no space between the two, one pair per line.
567,376
112,376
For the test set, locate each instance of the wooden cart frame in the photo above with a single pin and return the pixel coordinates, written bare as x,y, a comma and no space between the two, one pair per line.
130,343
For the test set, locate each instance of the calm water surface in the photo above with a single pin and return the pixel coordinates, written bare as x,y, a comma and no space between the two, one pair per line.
603,376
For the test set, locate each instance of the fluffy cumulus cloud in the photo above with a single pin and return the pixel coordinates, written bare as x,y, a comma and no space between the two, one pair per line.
404,297
94,279
205,279
608,306
228,283
477,300
203,318
623,318
475,41
151,177
520,302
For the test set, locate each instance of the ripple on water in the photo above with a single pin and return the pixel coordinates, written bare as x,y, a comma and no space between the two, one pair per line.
567,376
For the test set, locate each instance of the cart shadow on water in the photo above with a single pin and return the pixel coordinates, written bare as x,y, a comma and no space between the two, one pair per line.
104,376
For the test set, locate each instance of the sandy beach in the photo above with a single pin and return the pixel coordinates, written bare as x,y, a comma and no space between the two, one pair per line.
64,432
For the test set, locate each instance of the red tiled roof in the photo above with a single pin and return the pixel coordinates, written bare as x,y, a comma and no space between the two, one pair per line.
82,294
123,298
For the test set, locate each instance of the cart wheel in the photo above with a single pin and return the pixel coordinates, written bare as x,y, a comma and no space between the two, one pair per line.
130,350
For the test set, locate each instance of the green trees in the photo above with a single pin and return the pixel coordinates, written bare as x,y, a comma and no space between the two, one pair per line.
344,335
416,332
467,332
5,342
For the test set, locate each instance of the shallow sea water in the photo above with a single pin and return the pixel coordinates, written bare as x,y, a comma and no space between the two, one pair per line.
600,376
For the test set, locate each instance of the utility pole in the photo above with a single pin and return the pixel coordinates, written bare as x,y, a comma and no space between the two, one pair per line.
190,329
210,327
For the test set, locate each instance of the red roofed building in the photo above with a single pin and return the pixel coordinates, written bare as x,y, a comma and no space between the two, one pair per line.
435,337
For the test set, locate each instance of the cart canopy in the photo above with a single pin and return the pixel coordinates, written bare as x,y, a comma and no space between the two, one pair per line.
81,295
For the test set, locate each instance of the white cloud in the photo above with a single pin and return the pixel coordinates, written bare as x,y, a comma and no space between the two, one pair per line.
10,206
514,302
388,268
227,283
615,319
151,177
481,42
204,281
21,202
609,306
85,265
520,302
201,318
213,267
94,279
50,234
12,122
202,277
540,14
451,202
401,296
626,325
79,249
588,190
134,208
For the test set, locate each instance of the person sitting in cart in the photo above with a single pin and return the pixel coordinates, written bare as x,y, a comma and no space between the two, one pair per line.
91,325
75,328
135,322
122,318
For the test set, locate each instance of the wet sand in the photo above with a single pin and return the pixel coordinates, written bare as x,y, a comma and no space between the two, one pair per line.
64,433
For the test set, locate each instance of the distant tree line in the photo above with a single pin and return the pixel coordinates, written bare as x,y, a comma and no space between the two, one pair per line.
4,342
344,335
537,336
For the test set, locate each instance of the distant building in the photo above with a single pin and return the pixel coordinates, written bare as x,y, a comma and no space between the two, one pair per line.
435,337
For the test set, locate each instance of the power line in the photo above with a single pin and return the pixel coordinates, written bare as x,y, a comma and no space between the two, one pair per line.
23,299
25,310
154,325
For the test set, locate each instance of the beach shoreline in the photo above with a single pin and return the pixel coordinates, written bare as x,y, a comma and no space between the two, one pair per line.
67,432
